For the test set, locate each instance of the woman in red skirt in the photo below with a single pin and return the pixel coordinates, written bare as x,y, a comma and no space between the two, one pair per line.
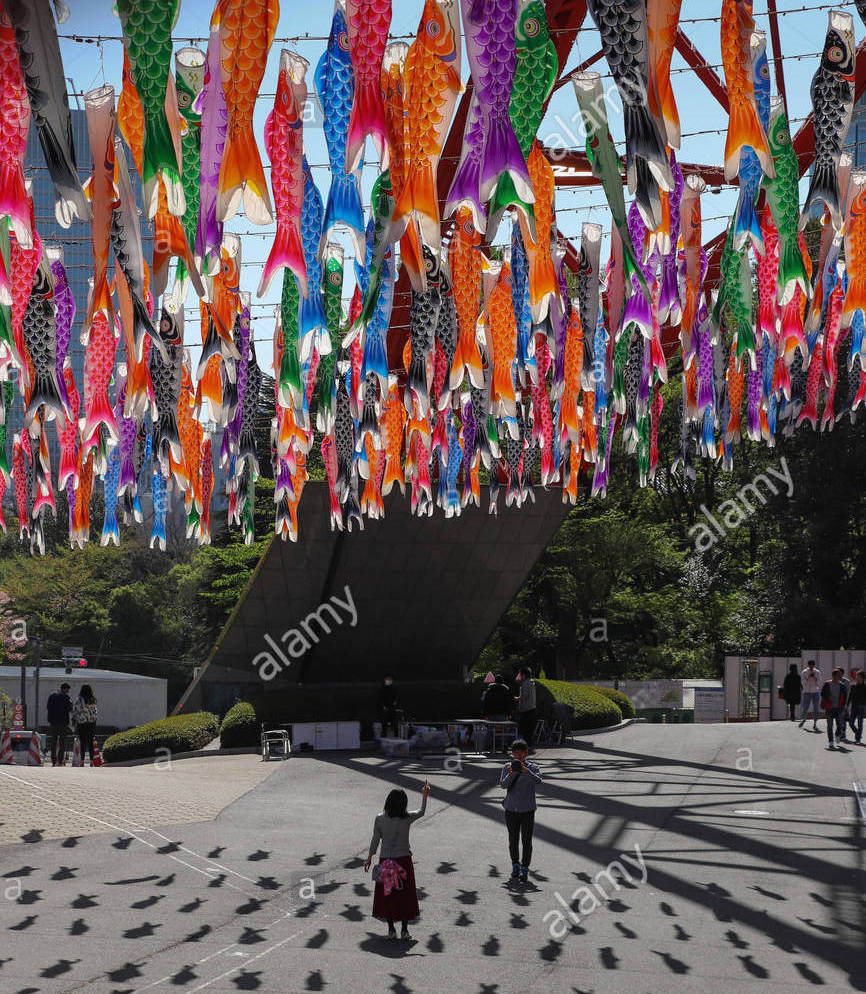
396,898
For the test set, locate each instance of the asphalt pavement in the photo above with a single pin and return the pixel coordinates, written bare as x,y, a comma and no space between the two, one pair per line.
690,858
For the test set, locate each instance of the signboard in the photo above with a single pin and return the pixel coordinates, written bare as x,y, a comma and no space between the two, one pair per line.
18,714
709,704
646,694
73,652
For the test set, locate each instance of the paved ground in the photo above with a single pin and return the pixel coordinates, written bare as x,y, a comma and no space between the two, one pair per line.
56,803
750,836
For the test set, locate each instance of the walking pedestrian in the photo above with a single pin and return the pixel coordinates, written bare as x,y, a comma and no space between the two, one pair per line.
519,779
792,690
851,680
396,896
526,708
59,707
388,707
857,704
84,714
811,680
833,697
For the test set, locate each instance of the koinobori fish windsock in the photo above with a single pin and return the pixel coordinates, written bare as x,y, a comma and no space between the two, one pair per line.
663,17
335,85
42,65
744,123
147,27
488,27
284,142
368,22
432,82
623,30
746,223
14,126
214,124
832,105
247,29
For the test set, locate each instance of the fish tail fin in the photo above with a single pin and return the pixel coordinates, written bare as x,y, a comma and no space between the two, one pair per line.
745,128
376,360
211,347
311,316
100,413
110,528
416,383
465,189
569,416
792,271
166,443
100,300
393,474
412,257
68,469
287,251
823,188
548,468
502,154
14,202
143,326
367,117
543,281
855,297
504,196
747,224
809,411
242,175
440,437
503,385
418,194
290,389
159,160
210,388
644,142
46,392
343,205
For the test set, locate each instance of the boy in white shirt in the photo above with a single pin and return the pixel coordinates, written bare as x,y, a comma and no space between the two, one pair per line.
811,693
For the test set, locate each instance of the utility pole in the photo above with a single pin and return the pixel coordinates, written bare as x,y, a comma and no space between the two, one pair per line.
37,659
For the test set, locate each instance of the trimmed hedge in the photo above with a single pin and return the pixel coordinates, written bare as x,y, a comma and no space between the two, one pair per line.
591,709
240,727
622,701
180,733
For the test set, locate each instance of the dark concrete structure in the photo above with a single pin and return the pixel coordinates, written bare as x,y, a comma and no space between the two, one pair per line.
428,592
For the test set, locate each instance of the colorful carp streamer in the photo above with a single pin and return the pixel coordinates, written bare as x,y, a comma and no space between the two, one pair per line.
481,360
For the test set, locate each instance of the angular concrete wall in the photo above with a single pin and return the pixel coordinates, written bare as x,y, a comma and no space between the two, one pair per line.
428,592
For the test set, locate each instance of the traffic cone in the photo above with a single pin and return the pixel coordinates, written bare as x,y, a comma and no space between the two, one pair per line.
6,757
97,755
34,756
76,753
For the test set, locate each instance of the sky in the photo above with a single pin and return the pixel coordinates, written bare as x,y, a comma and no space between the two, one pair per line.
304,27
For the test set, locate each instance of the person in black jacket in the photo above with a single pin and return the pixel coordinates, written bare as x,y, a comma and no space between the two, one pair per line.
388,706
792,690
497,702
59,708
857,705
834,696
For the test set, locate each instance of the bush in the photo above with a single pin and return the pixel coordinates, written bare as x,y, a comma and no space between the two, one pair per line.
181,733
591,709
622,701
240,727
7,711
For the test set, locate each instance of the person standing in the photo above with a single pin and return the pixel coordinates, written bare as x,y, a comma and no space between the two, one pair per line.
833,699
84,714
526,706
396,896
519,779
59,707
497,702
792,690
857,705
388,707
811,682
